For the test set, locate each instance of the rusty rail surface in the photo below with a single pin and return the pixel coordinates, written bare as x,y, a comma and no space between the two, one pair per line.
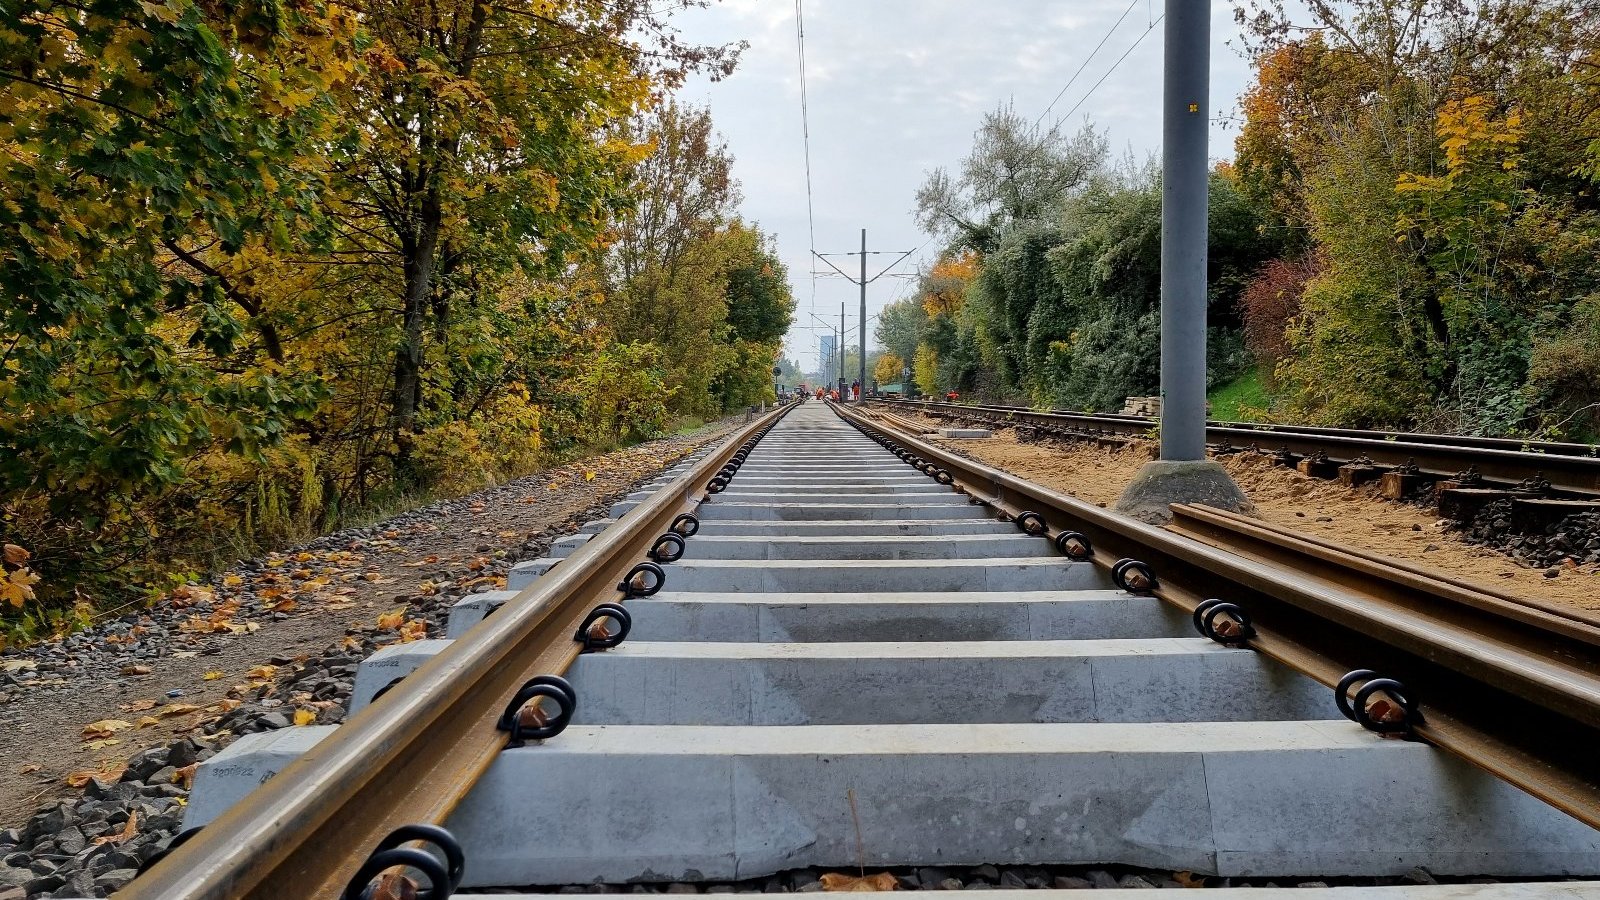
414,753
1569,468
1510,686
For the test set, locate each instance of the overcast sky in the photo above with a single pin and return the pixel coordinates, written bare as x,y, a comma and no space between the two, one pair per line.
896,88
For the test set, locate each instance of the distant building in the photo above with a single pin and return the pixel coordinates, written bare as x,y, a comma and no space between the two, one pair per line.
825,352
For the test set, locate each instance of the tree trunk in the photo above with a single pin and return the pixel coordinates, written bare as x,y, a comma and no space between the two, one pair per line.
421,253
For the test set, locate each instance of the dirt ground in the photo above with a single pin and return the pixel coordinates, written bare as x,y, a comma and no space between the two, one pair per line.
288,605
1325,509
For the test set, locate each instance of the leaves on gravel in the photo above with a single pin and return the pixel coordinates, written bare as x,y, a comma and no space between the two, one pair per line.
128,831
393,619
838,881
105,728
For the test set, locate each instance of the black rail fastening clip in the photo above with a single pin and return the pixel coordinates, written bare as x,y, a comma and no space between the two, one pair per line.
386,688
669,547
1209,621
642,580
594,635
178,840
1133,576
1031,523
686,525
1395,713
1074,545
524,717
443,877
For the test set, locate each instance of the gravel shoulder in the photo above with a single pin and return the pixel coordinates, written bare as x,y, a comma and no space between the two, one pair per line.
152,677
1357,516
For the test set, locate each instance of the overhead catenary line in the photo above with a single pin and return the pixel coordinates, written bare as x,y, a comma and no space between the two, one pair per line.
805,135
1086,60
1134,46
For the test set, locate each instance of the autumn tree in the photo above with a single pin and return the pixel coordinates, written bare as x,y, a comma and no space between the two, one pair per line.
265,263
888,368
690,277
145,146
1433,156
491,144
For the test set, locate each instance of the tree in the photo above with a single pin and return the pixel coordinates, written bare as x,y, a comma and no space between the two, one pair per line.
888,368
900,326
489,144
1434,158
144,147
1015,173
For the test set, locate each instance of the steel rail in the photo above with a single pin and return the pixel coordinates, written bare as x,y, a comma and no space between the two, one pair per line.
1563,448
1570,474
414,753
1515,692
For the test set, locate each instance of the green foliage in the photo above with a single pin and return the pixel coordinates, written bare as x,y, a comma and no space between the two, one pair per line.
267,265
1065,312
1244,399
1435,161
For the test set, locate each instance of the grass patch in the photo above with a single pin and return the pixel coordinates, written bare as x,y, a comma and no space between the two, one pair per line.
1244,399
688,425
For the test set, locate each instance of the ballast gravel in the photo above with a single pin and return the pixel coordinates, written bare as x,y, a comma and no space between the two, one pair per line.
83,845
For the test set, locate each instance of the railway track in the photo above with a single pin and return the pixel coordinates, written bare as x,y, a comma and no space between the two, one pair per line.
1567,469
854,649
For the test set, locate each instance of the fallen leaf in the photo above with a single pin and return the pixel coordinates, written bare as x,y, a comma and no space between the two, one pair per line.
283,606
184,777
213,675
16,555
178,709
414,630
109,771
262,672
392,619
190,594
838,881
588,476
105,728
29,769
147,721
101,745
304,716
13,665
232,581
136,670
128,831
338,606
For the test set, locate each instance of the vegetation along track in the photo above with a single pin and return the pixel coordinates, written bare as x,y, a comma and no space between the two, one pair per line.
1538,466
847,654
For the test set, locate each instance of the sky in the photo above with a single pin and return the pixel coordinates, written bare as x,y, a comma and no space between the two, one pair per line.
896,88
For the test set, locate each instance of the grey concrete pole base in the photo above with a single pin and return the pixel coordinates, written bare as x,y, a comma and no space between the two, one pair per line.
1166,481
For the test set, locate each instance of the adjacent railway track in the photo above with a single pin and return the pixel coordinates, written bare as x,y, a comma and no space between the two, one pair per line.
1568,468
853,648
